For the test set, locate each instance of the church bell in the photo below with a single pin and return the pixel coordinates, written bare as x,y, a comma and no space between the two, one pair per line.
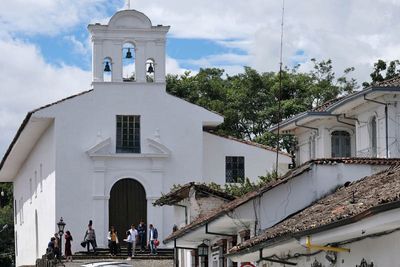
150,69
107,67
128,54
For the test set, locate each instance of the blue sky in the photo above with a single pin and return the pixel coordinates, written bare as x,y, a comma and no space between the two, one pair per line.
56,50
72,47
45,50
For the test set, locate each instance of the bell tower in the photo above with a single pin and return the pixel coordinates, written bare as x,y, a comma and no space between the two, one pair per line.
128,49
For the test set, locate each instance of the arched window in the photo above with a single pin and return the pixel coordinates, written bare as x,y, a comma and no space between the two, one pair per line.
128,62
341,145
373,137
150,70
107,69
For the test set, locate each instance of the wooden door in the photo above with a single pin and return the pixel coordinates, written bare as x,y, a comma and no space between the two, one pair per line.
127,205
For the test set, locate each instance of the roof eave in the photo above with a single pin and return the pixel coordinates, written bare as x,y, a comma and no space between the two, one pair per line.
362,93
291,123
271,242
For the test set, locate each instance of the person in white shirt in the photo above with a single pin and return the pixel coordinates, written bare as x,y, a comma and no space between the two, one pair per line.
128,240
133,234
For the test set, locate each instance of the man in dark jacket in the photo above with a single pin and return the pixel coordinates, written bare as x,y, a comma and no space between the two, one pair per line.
153,236
142,235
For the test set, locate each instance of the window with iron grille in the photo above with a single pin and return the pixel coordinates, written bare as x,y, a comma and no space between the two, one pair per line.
234,169
128,134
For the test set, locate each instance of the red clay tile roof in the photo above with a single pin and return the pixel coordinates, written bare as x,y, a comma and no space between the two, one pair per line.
183,192
323,107
220,211
349,201
393,82
26,120
247,142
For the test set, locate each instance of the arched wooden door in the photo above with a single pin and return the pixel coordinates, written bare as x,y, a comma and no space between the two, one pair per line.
127,205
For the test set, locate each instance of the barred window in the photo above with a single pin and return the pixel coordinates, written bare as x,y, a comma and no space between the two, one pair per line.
234,169
128,134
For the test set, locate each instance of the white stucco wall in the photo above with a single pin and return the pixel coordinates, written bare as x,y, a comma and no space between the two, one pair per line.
41,199
364,113
322,139
257,161
360,134
83,184
382,251
375,239
300,192
287,198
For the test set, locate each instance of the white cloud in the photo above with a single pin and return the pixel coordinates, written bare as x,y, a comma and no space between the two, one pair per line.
48,16
27,82
351,33
78,46
173,67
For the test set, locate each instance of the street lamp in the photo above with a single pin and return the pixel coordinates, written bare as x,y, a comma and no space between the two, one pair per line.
203,254
2,198
61,226
203,250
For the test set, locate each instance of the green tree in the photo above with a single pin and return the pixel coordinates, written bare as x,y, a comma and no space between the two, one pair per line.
6,218
383,71
248,100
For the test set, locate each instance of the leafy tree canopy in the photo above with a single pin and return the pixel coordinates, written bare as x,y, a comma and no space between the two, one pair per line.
6,218
249,100
383,71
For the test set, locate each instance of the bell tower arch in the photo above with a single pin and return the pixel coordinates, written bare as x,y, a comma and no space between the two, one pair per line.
109,42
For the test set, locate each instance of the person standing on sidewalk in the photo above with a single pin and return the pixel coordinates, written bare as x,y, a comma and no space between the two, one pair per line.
90,237
113,241
134,234
68,252
142,235
153,236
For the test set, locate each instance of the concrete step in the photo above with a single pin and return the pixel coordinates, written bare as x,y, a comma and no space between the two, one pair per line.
121,257
125,252
104,253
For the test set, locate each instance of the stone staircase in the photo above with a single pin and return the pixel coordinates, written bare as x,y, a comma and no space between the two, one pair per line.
104,253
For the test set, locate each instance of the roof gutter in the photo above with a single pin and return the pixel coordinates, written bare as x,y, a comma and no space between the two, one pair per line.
386,121
338,120
307,127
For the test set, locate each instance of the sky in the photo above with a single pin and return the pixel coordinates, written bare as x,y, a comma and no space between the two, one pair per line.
45,51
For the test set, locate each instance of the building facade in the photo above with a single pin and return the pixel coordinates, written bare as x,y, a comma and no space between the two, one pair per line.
362,124
108,153
341,195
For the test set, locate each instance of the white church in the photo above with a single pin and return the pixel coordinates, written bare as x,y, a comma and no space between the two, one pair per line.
107,153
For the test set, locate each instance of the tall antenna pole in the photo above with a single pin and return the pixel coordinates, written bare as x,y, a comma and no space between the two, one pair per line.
280,89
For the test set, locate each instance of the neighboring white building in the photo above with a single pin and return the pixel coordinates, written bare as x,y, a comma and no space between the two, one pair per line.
363,124
339,144
248,216
358,223
109,152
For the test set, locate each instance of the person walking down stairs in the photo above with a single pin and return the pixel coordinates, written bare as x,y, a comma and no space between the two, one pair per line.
90,237
113,241
153,242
